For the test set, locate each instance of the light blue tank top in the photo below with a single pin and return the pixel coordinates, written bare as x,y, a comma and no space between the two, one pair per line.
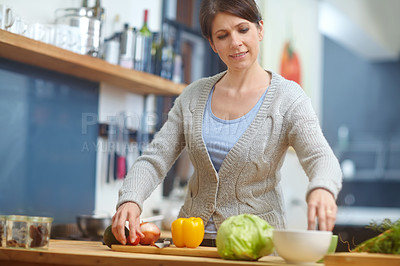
221,135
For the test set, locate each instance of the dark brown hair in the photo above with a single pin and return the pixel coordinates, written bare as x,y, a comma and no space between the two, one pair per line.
246,9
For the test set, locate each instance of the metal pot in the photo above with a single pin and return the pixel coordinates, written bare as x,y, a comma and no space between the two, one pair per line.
93,226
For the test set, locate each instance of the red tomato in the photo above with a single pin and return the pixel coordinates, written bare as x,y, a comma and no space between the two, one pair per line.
137,240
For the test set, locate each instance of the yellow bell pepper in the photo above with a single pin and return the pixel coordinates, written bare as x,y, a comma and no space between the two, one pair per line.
187,232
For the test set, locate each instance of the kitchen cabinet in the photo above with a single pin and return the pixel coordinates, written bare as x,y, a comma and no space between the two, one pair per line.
32,52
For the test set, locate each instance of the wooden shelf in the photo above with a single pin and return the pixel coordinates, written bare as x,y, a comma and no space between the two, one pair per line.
29,51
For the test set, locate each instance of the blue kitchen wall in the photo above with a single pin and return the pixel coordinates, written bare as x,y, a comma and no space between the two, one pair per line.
47,138
361,94
364,96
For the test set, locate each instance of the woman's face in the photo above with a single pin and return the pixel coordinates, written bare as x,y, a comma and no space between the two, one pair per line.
236,40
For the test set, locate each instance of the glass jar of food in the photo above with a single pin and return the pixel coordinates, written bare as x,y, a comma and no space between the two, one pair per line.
16,231
39,232
2,230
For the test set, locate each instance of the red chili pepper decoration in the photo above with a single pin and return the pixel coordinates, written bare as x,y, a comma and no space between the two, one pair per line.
290,64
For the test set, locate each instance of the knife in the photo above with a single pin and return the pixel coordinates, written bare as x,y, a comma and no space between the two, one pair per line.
148,219
152,219
111,149
162,243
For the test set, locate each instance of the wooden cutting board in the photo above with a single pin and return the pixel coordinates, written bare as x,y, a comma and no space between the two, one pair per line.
361,259
209,252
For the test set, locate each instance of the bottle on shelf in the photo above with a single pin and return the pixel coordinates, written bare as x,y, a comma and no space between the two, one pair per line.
99,11
156,54
127,46
177,75
98,15
143,47
112,49
167,54
85,3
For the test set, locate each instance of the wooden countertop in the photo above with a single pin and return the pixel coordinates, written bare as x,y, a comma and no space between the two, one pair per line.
361,259
25,50
68,252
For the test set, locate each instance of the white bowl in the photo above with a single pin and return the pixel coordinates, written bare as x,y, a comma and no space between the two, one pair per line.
301,246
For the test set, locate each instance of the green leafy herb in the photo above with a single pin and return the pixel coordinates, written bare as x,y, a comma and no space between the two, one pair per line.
388,241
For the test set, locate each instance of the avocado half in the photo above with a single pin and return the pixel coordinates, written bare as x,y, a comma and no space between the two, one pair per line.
109,238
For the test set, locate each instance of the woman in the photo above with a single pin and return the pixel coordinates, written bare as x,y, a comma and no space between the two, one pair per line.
236,127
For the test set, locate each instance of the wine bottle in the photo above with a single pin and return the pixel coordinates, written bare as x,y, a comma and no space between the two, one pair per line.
143,47
156,54
167,53
145,29
167,60
99,11
99,15
85,3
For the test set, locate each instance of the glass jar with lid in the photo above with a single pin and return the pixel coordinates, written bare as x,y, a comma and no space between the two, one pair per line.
39,232
16,231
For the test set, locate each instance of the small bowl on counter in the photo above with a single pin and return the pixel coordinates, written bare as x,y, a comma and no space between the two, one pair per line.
301,246
93,226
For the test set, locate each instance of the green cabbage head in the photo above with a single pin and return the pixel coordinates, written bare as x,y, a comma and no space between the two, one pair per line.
244,237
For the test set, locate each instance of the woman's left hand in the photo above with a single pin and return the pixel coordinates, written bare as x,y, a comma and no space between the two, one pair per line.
321,205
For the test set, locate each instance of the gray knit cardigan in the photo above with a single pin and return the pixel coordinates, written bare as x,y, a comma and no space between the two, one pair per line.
248,180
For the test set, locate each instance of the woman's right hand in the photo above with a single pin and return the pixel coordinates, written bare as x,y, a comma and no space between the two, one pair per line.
129,211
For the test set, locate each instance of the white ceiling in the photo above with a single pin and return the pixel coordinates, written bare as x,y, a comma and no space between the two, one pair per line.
369,27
